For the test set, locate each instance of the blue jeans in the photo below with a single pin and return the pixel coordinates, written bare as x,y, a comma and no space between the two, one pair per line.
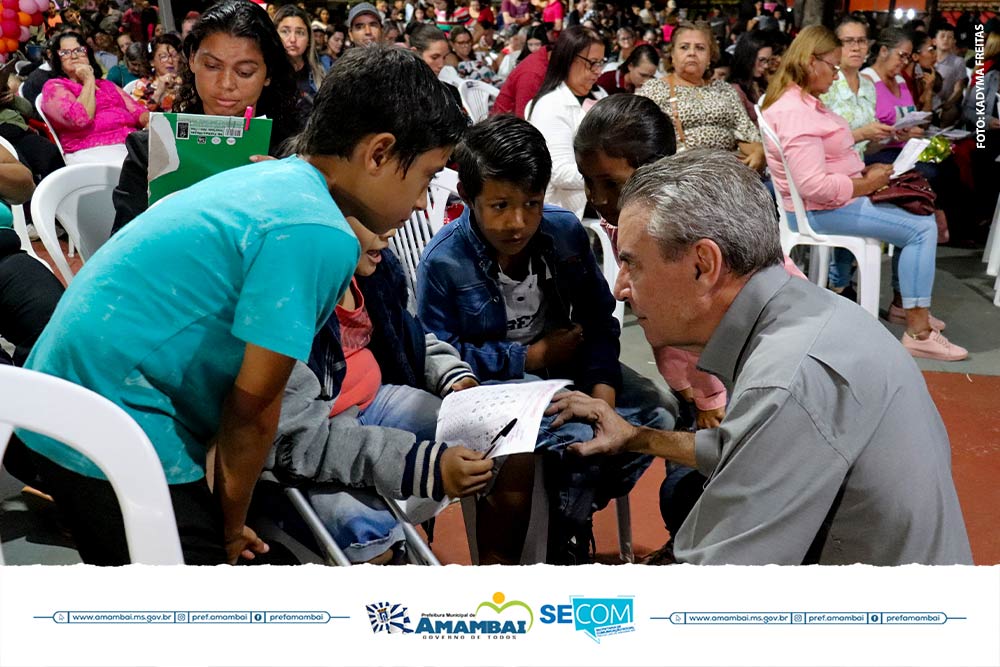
915,236
580,486
358,519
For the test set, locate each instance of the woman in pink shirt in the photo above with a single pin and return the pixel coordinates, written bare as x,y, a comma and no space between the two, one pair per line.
834,183
92,116
554,13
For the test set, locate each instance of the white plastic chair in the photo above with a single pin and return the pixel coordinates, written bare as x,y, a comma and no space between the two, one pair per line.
478,97
535,549
991,256
409,242
80,196
867,251
105,434
48,123
20,223
450,75
609,265
71,248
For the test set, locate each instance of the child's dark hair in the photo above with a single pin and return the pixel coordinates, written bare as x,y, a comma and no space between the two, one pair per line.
382,89
503,148
536,32
626,126
423,35
642,53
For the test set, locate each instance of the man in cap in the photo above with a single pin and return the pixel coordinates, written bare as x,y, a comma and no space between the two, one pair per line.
319,43
364,24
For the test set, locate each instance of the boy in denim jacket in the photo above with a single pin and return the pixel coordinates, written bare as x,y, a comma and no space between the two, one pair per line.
514,286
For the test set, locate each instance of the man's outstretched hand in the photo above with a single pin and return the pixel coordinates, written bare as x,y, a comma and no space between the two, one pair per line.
612,434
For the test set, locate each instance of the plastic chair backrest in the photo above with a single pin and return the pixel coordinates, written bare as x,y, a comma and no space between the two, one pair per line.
17,210
48,123
411,239
450,75
801,217
108,436
80,196
477,96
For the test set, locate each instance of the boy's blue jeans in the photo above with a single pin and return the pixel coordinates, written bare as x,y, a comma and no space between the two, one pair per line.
580,486
358,519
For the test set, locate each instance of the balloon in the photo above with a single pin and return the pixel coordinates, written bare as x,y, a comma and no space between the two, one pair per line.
42,6
8,15
10,29
12,44
25,34
26,6
36,19
10,4
24,19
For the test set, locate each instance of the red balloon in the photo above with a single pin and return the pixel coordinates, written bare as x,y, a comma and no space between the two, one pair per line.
8,15
36,19
24,19
10,4
10,29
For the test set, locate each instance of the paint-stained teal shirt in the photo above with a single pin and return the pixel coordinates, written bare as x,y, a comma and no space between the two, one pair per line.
157,321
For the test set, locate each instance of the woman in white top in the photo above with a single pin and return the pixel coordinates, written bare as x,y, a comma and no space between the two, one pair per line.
568,91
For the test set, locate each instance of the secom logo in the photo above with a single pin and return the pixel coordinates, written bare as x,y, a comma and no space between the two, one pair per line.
597,617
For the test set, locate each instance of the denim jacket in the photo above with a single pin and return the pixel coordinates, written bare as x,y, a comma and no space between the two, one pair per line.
460,300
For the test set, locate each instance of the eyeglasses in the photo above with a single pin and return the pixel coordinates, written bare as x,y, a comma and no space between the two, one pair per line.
929,49
835,68
855,41
593,65
166,57
904,55
78,51
764,59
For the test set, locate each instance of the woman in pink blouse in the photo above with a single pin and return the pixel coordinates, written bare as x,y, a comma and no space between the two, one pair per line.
834,183
554,13
92,116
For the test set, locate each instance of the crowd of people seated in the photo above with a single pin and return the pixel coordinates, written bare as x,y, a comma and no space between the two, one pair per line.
289,342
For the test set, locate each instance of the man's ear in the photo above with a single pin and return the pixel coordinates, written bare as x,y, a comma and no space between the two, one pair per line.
377,151
708,265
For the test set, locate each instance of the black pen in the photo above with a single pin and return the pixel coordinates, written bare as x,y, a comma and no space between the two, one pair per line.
502,434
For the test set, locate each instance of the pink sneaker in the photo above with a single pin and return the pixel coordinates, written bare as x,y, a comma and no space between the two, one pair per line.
898,316
935,346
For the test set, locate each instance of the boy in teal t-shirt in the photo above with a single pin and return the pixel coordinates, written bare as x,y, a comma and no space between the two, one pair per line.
192,317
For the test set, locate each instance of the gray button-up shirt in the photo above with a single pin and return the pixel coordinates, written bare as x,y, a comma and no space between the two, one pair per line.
832,450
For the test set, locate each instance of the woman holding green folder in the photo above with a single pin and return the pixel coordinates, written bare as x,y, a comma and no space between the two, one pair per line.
235,61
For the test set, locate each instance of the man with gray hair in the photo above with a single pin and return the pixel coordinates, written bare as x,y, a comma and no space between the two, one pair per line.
832,450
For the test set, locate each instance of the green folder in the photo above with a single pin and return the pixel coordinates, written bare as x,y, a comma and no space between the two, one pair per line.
186,148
